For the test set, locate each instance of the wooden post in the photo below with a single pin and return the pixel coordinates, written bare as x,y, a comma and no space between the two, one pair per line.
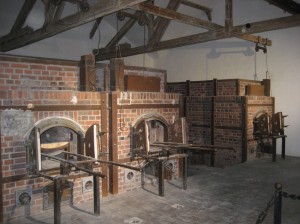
113,139
87,73
212,122
244,129
104,141
117,74
267,86
228,19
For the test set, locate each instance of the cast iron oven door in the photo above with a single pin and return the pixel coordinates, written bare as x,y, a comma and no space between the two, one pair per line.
36,162
149,131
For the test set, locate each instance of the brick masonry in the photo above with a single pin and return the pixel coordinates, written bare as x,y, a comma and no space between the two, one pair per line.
219,112
43,91
216,112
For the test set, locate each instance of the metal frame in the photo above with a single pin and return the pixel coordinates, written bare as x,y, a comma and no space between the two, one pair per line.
66,168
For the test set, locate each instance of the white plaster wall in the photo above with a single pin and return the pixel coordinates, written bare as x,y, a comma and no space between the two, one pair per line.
223,59
235,58
69,45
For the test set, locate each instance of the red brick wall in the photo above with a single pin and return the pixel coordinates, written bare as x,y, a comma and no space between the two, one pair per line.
202,88
133,106
255,105
198,114
24,73
232,123
177,87
226,87
25,81
162,74
14,152
244,83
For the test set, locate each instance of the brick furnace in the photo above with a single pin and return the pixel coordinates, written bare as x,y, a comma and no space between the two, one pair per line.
100,127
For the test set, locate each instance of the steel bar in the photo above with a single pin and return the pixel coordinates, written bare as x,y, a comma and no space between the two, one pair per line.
57,197
277,203
182,145
283,148
96,195
274,149
74,164
161,188
46,176
184,173
106,162
143,178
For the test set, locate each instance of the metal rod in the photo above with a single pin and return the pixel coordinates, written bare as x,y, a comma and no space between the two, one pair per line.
161,190
106,162
96,195
274,149
212,159
46,176
183,145
143,178
283,148
74,164
57,197
277,203
184,173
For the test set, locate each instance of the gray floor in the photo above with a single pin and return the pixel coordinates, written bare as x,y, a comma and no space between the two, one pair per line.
215,195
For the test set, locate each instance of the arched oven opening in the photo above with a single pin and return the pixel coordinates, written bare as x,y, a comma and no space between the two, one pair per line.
147,135
147,132
52,136
261,132
266,130
55,140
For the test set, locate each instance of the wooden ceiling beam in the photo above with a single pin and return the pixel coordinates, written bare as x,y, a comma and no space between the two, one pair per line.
23,14
100,9
200,7
161,24
53,13
237,31
255,39
290,6
228,16
122,32
95,27
176,16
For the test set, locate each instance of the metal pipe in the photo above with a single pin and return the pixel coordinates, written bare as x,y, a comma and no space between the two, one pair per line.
96,195
106,162
74,164
161,190
277,203
57,197
184,173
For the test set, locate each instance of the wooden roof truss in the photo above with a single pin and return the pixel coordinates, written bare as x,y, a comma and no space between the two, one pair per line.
146,13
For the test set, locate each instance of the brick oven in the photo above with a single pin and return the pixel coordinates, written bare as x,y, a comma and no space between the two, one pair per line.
48,106
113,113
222,112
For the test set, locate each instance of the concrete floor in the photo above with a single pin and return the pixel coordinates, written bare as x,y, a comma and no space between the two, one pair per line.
215,195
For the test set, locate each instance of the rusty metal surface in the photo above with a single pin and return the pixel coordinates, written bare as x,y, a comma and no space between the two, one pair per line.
139,83
261,125
104,140
91,141
178,131
139,139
